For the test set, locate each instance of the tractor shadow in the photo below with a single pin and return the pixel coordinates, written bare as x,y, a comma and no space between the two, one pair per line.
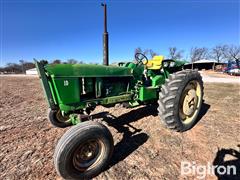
132,139
204,109
234,162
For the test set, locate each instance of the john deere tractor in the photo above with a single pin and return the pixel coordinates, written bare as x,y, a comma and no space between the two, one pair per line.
74,90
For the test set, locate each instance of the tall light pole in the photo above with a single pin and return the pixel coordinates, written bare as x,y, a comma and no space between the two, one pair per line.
105,37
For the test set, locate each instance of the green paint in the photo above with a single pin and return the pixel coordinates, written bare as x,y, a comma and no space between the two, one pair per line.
45,85
158,80
74,119
148,93
87,70
116,99
133,103
67,90
71,87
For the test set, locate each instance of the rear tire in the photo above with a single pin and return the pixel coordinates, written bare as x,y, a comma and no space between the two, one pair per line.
180,100
57,120
83,151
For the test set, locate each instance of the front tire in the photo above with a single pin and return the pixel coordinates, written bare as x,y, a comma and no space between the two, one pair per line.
83,151
180,100
57,119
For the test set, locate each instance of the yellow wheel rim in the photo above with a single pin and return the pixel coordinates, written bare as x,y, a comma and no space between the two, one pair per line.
190,102
61,118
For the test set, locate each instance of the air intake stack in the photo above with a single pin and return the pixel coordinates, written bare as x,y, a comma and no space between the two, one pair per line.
105,37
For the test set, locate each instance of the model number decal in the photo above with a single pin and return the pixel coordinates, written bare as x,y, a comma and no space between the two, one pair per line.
65,83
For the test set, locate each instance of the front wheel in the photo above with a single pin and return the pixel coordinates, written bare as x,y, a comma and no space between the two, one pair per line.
57,119
180,100
83,151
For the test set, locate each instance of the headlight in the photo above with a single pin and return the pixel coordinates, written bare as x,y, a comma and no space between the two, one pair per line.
168,64
172,63
165,64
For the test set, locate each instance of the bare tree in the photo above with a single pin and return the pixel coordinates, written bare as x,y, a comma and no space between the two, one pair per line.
198,53
21,67
44,61
233,53
174,53
218,53
22,64
152,53
140,50
28,65
146,52
13,68
72,61
57,61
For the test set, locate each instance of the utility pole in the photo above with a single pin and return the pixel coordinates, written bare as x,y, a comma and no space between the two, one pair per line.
105,37
22,63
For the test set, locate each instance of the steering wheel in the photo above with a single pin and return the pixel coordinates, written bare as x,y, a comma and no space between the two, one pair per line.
141,58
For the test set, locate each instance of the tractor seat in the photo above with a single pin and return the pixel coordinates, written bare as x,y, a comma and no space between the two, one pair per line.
155,63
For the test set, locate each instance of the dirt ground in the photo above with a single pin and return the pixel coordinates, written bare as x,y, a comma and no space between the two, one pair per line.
219,74
219,77
144,149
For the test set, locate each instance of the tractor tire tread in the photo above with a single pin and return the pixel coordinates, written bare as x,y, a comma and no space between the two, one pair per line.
170,92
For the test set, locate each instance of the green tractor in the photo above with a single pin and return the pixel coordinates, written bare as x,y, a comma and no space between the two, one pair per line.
74,90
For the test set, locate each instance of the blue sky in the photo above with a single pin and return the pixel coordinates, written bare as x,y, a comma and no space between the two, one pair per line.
67,29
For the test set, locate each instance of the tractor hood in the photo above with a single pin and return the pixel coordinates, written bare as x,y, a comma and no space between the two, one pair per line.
86,70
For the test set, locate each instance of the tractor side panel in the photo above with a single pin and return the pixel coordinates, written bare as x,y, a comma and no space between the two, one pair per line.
102,87
67,89
115,86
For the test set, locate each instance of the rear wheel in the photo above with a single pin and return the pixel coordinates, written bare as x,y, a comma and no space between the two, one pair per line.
180,100
57,119
83,151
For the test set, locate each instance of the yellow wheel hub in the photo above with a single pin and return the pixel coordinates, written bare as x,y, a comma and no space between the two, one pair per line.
60,117
190,102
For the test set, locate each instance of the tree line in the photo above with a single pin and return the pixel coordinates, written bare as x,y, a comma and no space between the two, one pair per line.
23,65
220,53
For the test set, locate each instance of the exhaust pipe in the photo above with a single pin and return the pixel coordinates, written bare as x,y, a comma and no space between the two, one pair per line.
105,37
